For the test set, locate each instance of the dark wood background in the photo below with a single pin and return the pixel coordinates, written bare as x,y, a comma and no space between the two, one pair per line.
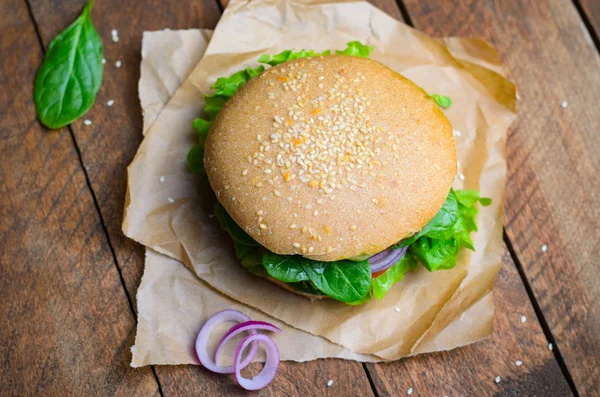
68,276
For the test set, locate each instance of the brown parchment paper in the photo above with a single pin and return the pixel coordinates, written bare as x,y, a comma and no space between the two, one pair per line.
436,311
172,302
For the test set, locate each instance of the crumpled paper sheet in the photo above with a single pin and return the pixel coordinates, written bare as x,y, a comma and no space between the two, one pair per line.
436,311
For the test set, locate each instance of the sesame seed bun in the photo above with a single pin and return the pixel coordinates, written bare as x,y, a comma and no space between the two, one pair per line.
330,157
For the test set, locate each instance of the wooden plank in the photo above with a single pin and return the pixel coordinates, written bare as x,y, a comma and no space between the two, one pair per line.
552,194
591,8
110,143
65,323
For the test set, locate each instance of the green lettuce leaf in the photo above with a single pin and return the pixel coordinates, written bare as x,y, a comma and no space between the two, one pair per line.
442,100
288,55
382,284
438,244
357,49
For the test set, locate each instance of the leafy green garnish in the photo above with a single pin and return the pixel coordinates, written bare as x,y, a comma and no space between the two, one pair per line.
286,268
195,159
357,49
343,280
231,227
306,287
382,284
442,100
288,55
69,77
438,243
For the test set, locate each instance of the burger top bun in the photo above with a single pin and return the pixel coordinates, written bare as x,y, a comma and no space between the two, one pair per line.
330,157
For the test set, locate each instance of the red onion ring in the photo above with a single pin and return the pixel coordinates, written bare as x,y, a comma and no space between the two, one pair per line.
208,328
243,327
267,374
386,259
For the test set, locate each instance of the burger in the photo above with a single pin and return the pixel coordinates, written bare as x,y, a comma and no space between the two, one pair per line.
332,174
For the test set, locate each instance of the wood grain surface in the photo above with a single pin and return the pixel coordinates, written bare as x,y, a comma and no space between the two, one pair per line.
81,332
65,323
553,188
591,12
108,146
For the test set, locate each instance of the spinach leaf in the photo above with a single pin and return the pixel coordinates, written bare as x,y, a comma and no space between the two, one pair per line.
344,280
251,258
230,226
382,284
306,287
69,77
286,268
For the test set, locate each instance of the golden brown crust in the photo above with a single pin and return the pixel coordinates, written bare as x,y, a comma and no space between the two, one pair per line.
330,157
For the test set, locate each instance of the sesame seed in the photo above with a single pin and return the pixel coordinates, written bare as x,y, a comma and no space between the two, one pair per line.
397,309
329,382
564,104
296,245
304,229
118,64
330,250
375,201
114,35
497,380
409,391
523,319
259,212
87,122
170,200
544,248
162,178
103,61
461,177
518,363
316,213
277,193
245,172
310,249
110,102
293,226
262,226
550,347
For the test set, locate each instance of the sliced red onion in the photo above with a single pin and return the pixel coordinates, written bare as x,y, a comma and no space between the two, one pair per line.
386,259
267,374
243,327
208,328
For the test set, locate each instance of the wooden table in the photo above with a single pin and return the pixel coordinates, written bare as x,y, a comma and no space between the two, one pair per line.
68,276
